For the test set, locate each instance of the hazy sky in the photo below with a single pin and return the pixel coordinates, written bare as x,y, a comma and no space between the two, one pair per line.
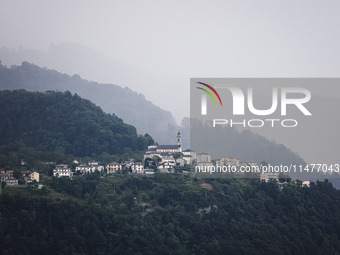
176,40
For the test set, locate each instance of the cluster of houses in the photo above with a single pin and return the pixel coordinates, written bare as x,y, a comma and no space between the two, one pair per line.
63,170
114,167
166,157
162,158
8,178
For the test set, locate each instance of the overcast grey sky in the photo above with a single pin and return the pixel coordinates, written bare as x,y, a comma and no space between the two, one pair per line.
176,40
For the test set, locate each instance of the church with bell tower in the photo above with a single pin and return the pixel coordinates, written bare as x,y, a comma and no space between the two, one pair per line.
164,150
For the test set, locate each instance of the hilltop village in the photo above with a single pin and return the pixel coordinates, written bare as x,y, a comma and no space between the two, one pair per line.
169,159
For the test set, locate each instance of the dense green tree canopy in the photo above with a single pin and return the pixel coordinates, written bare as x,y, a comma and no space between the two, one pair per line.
168,214
55,121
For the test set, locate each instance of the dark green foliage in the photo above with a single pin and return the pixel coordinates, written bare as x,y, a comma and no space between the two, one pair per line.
165,214
62,123
78,187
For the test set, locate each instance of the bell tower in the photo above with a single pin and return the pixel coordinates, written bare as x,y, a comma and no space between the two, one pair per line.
179,140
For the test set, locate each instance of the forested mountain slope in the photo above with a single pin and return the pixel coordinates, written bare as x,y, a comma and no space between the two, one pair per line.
53,121
128,105
168,214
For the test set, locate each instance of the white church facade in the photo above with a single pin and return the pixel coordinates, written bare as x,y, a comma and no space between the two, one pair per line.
164,150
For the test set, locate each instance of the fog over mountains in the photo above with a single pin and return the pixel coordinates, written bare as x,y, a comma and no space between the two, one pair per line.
80,63
134,109
75,58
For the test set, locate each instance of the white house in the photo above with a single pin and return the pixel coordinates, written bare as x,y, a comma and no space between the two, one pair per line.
266,176
305,183
189,156
166,167
8,178
84,168
62,170
90,167
203,157
229,161
137,168
12,182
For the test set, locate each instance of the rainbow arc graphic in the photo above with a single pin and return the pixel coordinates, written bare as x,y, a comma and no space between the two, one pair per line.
204,99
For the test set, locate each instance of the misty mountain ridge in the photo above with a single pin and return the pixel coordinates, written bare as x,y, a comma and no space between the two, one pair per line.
75,58
90,64
132,107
